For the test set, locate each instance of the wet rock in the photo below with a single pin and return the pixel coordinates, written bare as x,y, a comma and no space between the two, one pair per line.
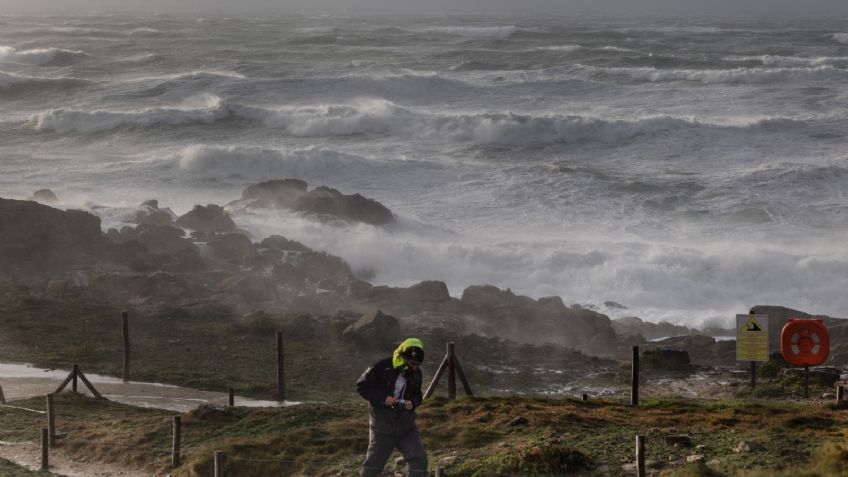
694,458
322,202
45,196
277,242
211,218
251,288
149,213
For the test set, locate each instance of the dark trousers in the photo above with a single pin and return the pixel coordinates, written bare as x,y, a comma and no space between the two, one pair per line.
381,445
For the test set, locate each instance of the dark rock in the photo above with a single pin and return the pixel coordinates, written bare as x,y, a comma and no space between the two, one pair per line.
553,303
149,213
45,196
665,360
211,218
36,239
487,296
157,238
376,329
323,202
632,325
280,193
234,247
277,242
614,305
432,291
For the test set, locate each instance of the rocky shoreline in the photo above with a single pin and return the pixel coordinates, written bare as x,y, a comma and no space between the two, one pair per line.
202,260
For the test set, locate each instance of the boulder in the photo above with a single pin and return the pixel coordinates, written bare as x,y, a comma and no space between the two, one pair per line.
36,239
233,247
157,238
149,213
279,193
327,202
429,291
487,296
211,218
277,242
665,360
45,196
323,202
376,329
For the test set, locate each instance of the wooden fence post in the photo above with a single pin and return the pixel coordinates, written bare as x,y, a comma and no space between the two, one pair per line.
74,379
640,456
219,463
585,397
175,451
45,449
634,378
451,372
51,421
840,393
439,472
2,397
231,401
125,332
280,368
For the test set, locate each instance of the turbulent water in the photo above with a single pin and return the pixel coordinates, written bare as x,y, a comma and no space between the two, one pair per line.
687,169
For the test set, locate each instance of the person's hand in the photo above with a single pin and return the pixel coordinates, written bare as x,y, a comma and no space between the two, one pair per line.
407,405
390,401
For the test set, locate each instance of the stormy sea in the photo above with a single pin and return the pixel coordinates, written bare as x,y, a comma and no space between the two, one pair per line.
679,170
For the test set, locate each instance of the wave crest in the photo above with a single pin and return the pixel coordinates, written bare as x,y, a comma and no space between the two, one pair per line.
39,56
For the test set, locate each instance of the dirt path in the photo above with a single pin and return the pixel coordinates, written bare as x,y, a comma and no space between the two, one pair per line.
21,381
28,454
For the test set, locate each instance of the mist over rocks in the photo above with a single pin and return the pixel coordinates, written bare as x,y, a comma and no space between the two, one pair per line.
64,255
322,202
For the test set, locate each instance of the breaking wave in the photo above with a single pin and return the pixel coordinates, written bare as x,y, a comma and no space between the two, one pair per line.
13,82
39,56
375,117
841,37
253,162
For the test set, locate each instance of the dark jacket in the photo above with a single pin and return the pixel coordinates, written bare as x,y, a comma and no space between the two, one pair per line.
378,382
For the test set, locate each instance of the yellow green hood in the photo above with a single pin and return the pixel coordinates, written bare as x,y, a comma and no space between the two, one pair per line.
397,359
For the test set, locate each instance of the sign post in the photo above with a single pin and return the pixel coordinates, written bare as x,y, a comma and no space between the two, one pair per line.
752,341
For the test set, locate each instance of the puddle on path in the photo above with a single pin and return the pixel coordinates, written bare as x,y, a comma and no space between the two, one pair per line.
21,381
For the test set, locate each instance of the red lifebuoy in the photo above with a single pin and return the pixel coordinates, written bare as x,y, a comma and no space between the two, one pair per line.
805,342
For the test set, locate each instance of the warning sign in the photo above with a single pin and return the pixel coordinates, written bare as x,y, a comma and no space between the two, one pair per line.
752,343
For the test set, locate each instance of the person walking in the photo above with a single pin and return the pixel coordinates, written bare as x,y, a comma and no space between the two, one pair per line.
392,387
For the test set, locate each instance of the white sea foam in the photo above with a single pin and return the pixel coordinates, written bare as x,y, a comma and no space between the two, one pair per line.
841,37
793,61
67,121
38,56
735,75
251,162
475,32
560,48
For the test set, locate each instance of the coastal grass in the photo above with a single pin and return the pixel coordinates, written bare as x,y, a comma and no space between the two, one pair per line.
10,469
467,437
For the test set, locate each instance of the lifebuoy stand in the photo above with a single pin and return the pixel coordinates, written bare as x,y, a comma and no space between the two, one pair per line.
805,342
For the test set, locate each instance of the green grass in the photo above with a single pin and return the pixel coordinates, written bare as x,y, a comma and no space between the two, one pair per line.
473,437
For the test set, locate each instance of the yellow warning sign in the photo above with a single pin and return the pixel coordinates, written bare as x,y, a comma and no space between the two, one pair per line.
752,343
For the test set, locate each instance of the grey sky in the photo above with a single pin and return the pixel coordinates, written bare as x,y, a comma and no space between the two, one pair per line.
805,8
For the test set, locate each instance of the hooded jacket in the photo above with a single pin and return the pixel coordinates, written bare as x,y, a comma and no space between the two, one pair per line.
378,382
